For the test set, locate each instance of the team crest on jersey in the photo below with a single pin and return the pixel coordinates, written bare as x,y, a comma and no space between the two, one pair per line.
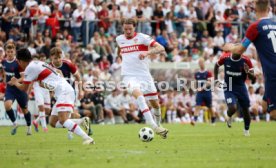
135,40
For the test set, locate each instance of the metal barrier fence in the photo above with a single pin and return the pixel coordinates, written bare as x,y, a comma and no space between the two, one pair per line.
237,23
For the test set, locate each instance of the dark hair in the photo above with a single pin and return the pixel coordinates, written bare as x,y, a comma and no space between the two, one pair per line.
24,54
129,21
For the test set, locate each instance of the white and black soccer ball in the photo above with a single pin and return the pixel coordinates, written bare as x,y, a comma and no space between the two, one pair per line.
146,134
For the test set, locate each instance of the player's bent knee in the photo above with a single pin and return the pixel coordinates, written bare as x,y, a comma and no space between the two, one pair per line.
155,104
136,93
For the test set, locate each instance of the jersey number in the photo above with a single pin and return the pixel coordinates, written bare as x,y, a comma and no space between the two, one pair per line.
272,36
51,69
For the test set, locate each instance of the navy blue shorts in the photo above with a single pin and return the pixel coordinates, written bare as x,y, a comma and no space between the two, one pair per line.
204,98
15,94
236,97
270,95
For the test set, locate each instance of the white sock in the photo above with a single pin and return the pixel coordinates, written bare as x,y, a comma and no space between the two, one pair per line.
157,114
112,120
169,116
58,125
173,116
42,119
267,117
187,117
141,101
257,118
73,127
77,121
183,119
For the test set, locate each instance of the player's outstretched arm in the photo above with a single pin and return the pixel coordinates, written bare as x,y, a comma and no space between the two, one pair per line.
216,71
155,49
15,82
234,48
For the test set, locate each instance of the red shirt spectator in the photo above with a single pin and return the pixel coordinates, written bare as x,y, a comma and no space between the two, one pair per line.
103,16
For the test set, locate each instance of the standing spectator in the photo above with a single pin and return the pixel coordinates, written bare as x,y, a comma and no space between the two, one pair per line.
103,16
53,20
220,6
8,14
139,17
147,13
76,22
169,22
67,15
158,16
180,21
104,63
247,18
114,16
88,25
45,13
130,12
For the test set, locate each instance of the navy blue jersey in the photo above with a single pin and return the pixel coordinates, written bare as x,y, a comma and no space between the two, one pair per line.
11,69
235,74
67,68
263,35
202,77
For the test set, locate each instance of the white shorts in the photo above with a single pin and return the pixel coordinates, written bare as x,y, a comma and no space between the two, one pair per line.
64,102
42,96
143,83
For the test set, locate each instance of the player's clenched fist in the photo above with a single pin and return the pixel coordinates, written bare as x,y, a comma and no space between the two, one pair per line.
142,56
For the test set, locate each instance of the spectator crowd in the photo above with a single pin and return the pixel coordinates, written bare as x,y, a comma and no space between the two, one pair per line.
85,31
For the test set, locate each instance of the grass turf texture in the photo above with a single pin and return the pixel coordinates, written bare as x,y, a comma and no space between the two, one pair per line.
118,146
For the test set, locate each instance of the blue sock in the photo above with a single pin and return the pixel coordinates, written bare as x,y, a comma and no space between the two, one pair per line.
195,118
11,115
28,118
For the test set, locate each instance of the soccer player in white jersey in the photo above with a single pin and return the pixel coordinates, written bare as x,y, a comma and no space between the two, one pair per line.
42,100
50,79
135,48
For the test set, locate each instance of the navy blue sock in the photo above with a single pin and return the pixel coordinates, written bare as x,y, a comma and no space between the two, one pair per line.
195,118
28,118
247,120
213,120
11,115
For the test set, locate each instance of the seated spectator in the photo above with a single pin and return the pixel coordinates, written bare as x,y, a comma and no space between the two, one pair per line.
112,106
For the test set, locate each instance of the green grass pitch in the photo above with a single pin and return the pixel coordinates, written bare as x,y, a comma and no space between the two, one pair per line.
118,146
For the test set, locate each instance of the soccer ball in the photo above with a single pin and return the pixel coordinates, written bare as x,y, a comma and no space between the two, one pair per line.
146,134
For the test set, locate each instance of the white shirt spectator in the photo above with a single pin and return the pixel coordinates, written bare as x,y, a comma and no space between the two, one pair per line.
129,14
89,12
45,9
124,100
112,102
220,7
28,5
147,12
218,41
76,14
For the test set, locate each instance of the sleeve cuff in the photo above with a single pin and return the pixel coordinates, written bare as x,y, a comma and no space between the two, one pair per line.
152,43
27,82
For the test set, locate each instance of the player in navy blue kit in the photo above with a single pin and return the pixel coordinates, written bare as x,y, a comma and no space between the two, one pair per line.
68,69
262,34
236,69
204,94
12,69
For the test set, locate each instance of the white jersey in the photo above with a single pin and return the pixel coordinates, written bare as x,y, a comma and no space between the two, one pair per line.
130,51
41,71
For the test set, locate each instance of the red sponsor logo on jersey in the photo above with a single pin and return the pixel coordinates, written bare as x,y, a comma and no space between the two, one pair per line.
134,48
